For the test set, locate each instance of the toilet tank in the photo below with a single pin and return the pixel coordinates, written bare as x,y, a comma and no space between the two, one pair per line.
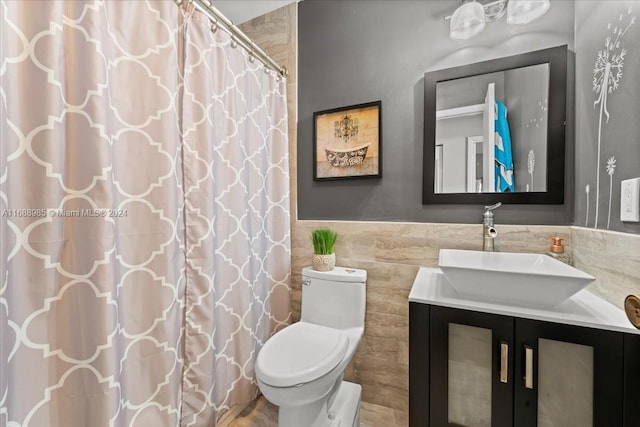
336,298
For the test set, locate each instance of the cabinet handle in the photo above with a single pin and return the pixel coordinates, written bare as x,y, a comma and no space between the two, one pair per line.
528,366
504,362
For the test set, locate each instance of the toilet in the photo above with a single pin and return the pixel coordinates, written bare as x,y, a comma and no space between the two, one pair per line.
300,368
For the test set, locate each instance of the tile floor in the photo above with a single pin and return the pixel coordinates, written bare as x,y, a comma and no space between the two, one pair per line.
261,413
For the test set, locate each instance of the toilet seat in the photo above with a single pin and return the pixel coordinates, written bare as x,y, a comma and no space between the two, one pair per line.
299,354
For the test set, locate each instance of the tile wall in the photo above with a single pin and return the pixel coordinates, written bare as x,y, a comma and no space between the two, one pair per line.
613,258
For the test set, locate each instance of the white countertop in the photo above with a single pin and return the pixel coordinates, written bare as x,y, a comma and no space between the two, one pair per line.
582,309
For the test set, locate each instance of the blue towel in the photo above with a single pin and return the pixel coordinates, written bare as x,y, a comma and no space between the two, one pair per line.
503,158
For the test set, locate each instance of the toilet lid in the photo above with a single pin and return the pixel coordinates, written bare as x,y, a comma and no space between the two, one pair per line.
300,353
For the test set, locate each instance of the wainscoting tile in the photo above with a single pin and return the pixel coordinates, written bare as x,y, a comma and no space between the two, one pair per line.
613,258
372,415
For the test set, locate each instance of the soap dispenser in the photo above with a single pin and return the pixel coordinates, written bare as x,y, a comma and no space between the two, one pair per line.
557,251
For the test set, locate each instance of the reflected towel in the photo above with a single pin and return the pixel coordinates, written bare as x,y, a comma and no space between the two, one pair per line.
503,157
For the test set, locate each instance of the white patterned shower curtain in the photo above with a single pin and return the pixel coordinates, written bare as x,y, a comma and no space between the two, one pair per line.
236,182
144,215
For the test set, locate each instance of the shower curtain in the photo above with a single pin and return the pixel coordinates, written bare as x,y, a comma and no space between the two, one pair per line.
144,223
237,214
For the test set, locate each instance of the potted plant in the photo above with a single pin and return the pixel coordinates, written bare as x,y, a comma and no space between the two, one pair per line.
324,241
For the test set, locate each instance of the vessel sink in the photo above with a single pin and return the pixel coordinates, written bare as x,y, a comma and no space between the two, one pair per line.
526,279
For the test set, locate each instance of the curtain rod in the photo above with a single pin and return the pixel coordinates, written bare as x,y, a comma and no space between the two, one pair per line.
216,17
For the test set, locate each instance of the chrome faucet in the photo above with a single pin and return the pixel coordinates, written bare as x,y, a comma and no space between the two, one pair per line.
489,232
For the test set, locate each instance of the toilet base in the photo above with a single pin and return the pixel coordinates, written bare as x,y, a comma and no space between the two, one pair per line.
343,412
346,407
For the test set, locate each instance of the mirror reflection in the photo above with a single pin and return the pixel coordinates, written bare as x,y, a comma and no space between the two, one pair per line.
491,132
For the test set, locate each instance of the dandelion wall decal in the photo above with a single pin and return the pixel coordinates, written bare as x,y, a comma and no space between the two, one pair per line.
607,74
611,166
586,190
531,163
535,120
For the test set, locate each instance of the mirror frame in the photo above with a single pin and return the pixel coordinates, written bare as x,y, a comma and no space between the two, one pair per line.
557,58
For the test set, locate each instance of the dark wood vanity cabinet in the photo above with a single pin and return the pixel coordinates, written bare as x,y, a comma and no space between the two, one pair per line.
468,368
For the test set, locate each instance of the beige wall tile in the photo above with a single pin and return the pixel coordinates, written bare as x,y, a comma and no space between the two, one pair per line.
612,258
389,395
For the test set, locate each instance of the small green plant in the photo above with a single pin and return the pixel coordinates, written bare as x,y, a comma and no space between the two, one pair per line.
324,241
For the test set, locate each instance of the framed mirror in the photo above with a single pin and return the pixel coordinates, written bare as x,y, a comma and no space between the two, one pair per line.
495,131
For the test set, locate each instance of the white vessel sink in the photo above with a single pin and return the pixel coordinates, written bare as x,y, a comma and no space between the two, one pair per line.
532,280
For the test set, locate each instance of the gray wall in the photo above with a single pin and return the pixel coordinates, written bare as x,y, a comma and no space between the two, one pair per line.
620,135
352,52
526,89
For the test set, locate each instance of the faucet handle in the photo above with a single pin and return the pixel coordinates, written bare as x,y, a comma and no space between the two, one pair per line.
492,207
488,213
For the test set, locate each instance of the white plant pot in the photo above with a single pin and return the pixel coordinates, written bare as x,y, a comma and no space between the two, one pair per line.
323,262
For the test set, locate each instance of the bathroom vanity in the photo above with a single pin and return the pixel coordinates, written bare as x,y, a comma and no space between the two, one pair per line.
474,363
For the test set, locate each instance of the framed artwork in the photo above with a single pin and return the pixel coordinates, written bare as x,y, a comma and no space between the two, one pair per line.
347,142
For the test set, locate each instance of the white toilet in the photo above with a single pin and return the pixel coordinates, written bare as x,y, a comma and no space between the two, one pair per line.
300,368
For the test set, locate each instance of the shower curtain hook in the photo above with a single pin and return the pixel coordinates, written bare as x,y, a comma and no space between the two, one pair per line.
252,58
233,43
214,26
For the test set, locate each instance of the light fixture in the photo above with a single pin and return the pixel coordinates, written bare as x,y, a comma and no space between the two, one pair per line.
470,18
467,21
525,11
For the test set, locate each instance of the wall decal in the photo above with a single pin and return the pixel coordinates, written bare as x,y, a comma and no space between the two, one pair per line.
531,163
611,165
607,74
544,106
586,190
536,120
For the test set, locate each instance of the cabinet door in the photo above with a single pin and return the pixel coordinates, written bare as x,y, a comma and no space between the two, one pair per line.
567,376
418,364
471,369
631,380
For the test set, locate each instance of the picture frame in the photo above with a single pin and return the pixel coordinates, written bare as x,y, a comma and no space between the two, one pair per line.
347,142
